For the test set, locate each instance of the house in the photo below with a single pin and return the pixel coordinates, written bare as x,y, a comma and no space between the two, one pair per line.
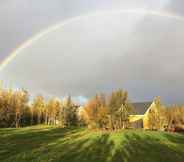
140,118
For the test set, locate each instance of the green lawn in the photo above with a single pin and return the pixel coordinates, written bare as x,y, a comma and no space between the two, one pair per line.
46,144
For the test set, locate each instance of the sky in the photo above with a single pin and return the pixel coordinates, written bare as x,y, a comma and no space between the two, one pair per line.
99,46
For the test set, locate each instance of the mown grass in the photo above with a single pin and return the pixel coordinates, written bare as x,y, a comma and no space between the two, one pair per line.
53,144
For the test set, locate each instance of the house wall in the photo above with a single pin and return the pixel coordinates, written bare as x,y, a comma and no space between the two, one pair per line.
137,124
146,116
136,121
146,122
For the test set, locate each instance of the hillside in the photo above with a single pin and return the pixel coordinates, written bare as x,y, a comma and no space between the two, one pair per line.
53,144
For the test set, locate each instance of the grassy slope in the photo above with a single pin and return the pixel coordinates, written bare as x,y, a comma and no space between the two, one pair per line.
46,144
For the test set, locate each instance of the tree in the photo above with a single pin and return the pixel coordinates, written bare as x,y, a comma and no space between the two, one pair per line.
96,112
69,111
7,111
39,107
124,112
53,108
175,116
119,108
157,116
20,99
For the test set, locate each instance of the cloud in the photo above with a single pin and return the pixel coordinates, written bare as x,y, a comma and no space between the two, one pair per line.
137,52
22,19
175,6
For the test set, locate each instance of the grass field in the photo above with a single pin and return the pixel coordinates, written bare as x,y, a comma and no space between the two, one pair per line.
52,144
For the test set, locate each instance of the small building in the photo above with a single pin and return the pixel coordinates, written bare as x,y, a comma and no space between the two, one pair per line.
140,118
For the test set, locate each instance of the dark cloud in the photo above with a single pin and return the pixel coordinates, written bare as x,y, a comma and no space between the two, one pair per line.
22,19
140,53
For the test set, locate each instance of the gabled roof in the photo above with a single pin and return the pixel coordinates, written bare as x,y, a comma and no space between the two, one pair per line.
141,107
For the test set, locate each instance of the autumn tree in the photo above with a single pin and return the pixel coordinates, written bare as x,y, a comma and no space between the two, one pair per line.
69,112
119,108
175,116
96,112
38,107
53,108
157,115
20,101
7,111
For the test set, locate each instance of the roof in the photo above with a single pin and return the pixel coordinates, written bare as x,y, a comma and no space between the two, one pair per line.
141,107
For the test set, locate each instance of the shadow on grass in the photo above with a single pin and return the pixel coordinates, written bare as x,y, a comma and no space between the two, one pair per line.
21,141
175,137
149,149
85,150
80,145
66,145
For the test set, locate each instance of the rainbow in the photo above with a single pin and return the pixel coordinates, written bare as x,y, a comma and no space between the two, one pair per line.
35,38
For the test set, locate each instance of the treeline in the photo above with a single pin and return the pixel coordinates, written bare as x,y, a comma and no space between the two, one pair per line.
113,112
168,118
175,118
108,112
101,111
16,110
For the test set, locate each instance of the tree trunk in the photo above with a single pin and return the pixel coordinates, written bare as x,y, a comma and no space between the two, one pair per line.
17,120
